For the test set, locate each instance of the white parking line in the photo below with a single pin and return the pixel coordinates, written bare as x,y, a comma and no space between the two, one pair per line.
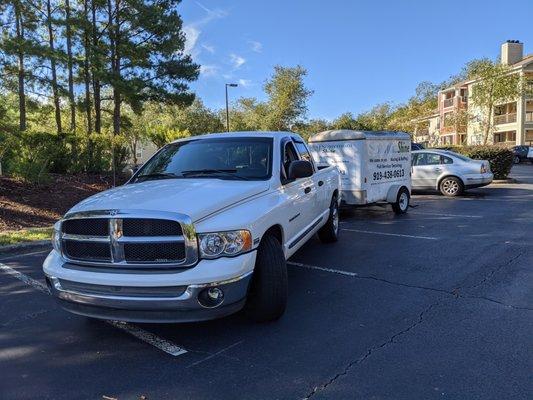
445,215
335,271
24,255
139,333
391,234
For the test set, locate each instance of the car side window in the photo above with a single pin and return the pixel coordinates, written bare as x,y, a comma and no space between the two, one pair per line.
427,159
304,153
446,160
289,155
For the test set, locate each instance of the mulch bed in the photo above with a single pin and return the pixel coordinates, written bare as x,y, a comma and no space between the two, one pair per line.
25,205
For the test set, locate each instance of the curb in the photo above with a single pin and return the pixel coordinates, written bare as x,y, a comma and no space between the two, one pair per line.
508,180
15,248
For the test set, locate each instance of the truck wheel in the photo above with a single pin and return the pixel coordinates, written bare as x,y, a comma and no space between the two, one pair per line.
402,201
267,296
329,233
451,186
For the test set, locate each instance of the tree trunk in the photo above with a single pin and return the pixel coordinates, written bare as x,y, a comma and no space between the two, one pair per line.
69,67
488,124
115,63
96,67
86,74
87,80
55,90
21,72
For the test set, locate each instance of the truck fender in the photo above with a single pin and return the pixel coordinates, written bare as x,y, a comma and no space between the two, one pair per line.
392,194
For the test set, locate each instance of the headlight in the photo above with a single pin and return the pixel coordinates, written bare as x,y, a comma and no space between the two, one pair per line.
56,237
220,244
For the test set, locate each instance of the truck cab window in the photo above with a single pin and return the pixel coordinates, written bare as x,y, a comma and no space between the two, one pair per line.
289,155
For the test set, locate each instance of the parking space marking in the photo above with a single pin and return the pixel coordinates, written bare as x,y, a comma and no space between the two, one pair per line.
147,337
391,234
150,338
335,271
445,215
24,255
25,278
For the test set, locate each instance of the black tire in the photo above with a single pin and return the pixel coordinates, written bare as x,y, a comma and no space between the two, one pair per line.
267,296
451,186
402,201
329,233
516,160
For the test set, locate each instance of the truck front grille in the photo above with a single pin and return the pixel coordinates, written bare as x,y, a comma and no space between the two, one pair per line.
119,291
94,251
128,242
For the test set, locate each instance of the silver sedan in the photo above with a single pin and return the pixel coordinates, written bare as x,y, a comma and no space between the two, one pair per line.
448,172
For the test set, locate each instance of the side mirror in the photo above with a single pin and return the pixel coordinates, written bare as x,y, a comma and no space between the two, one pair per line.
300,169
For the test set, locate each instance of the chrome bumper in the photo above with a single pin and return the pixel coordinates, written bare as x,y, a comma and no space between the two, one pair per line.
181,308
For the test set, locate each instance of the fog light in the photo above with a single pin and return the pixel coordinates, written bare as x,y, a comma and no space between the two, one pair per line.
211,297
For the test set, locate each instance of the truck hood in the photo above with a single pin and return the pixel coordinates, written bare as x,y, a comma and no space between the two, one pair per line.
196,198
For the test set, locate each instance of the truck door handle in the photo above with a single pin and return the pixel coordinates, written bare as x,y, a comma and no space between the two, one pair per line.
307,189
320,183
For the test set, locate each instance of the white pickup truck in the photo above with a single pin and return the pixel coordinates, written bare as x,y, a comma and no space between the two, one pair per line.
202,230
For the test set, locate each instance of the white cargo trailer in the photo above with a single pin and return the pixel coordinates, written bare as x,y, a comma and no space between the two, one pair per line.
374,166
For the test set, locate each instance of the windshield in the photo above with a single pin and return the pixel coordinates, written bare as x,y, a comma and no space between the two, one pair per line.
459,156
234,158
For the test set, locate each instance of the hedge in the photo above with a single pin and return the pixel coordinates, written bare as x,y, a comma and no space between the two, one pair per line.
500,158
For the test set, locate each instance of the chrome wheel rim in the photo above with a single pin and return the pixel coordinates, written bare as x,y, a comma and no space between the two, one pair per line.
403,201
450,186
335,218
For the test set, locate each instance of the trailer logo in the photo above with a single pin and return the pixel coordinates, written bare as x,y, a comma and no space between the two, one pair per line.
403,147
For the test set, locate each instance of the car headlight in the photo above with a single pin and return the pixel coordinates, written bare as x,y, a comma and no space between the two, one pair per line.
224,244
56,237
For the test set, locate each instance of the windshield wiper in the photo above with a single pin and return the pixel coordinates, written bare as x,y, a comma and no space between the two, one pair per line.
226,172
157,175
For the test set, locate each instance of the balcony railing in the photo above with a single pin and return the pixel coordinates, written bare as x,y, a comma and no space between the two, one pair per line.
448,102
504,119
529,116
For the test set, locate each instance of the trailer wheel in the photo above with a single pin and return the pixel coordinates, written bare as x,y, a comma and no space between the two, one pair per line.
267,296
402,201
329,233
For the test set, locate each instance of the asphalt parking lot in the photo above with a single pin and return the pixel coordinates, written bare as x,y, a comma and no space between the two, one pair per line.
437,303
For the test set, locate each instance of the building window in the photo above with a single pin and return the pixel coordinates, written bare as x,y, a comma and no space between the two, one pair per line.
505,137
529,137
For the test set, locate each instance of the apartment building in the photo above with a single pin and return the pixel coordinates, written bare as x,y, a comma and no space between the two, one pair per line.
456,121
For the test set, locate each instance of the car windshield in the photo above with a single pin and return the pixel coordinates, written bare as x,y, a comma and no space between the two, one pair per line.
459,156
232,158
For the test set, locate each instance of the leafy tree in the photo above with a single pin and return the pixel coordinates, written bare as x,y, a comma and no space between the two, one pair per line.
347,121
287,97
495,83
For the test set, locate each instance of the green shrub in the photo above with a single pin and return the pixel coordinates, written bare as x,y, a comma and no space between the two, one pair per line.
500,158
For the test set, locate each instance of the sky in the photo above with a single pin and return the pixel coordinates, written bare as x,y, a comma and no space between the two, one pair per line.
357,53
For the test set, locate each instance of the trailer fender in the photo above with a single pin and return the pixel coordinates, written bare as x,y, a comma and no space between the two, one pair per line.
392,194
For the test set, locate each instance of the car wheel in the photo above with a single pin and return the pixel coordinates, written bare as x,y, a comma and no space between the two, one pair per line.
516,160
402,201
267,295
451,186
329,233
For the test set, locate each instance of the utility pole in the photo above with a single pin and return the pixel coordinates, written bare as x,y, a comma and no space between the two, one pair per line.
227,104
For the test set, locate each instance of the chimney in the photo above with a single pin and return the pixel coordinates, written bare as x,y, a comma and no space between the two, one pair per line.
512,52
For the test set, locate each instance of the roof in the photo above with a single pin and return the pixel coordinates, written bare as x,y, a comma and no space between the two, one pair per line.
267,134
346,134
526,60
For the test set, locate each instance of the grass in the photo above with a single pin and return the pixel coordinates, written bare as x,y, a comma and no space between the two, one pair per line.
25,235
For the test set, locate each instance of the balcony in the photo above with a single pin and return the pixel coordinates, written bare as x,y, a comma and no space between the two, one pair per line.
504,119
448,102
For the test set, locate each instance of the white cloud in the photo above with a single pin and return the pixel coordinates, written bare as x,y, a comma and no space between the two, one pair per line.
209,70
193,30
237,60
192,34
256,46
208,48
244,82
